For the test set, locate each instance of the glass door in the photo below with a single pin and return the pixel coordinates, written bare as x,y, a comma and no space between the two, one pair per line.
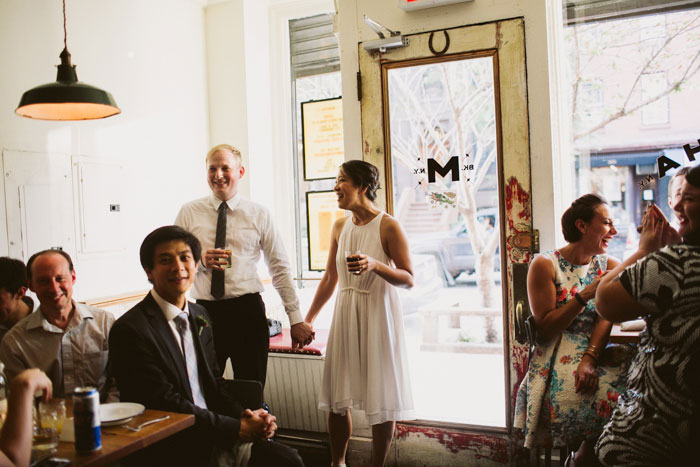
445,119
444,172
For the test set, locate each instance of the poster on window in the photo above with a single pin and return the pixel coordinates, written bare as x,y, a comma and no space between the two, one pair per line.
321,212
322,137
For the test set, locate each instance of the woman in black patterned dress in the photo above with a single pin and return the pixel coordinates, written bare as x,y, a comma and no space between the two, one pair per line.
657,420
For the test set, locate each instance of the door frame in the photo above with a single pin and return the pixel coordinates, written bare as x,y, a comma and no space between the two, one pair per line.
505,41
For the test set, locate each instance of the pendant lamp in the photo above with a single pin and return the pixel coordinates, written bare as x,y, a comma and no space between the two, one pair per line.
67,98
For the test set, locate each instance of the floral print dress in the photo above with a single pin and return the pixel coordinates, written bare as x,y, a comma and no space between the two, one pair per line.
548,409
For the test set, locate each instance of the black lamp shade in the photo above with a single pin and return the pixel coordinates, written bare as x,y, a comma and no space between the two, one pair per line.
67,98
62,101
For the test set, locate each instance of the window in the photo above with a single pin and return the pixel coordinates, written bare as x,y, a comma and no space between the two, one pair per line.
591,102
585,11
654,98
631,75
315,71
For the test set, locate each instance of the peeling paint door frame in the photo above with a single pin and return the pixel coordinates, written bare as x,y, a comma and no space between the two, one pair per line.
505,41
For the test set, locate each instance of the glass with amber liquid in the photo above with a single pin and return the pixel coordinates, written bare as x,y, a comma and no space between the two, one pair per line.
352,256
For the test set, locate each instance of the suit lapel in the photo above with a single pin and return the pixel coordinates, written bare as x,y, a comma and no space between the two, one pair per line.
164,336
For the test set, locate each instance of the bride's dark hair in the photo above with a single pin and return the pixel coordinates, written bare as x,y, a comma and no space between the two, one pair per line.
364,175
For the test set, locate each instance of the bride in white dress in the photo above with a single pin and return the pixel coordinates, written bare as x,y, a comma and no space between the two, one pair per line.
366,366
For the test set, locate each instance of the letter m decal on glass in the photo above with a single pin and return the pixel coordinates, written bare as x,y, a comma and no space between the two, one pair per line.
451,166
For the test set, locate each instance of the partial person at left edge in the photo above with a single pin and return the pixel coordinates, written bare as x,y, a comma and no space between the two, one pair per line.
16,435
65,339
14,304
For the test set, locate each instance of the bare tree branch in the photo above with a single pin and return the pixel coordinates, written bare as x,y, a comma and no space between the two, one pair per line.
627,111
625,108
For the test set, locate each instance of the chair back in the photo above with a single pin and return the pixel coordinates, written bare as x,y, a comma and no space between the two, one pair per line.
248,393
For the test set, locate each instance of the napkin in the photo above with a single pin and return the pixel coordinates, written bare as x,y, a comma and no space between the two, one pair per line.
635,325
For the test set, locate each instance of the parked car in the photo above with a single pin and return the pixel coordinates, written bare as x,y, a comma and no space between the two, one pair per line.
452,248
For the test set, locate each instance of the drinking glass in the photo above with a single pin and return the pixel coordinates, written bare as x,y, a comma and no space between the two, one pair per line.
53,414
44,442
228,261
352,256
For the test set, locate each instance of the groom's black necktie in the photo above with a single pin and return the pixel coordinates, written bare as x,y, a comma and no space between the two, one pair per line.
217,277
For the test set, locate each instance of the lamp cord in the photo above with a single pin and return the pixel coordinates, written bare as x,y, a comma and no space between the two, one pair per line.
65,33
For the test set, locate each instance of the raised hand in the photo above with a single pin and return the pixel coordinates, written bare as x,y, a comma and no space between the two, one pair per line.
654,228
669,235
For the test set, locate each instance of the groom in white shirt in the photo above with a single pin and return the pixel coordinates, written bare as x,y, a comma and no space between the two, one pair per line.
234,232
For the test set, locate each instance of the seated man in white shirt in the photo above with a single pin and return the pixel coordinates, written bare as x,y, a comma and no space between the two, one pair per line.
65,339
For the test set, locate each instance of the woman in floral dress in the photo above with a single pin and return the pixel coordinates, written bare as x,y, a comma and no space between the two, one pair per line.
573,380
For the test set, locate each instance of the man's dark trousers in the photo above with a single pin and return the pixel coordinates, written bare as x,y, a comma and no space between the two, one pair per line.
241,334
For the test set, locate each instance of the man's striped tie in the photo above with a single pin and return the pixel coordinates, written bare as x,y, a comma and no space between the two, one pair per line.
190,358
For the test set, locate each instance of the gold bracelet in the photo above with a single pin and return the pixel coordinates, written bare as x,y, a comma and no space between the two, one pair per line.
592,355
593,351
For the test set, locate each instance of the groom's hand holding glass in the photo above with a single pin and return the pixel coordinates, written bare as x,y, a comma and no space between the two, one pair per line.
218,258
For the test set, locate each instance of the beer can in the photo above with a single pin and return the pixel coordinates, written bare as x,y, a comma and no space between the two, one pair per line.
86,419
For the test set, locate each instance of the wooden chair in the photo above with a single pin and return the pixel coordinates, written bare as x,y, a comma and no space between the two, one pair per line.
248,393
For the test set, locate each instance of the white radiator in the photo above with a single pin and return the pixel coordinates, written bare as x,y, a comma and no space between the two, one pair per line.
291,390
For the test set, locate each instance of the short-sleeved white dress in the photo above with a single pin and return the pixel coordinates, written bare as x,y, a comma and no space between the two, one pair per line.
366,365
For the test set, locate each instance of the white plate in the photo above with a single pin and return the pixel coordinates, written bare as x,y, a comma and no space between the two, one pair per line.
117,413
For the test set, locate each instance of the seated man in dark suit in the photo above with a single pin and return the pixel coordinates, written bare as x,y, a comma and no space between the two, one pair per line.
162,356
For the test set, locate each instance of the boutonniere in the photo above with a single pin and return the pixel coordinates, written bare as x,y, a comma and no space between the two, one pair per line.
202,323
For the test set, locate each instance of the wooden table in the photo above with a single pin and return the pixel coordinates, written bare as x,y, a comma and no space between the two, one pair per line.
118,442
618,336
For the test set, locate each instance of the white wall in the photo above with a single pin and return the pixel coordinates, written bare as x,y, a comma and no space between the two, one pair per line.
353,30
248,41
188,75
151,56
226,77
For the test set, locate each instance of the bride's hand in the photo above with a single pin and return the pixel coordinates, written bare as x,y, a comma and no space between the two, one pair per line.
367,264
